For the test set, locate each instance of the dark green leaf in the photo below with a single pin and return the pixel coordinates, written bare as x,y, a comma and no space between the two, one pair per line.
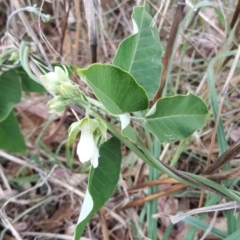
28,84
140,54
11,138
102,181
116,89
10,92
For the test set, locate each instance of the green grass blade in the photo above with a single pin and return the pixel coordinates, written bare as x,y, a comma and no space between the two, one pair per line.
204,226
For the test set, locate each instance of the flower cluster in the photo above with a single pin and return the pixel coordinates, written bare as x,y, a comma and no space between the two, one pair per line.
59,84
53,80
93,131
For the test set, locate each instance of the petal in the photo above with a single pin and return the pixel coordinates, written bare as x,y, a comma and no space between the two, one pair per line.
86,145
125,120
95,156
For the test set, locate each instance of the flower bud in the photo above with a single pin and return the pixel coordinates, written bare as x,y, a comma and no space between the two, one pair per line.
53,80
68,91
57,104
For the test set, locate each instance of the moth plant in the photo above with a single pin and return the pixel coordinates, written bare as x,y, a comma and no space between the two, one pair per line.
124,91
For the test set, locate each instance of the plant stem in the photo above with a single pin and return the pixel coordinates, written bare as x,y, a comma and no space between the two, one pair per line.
144,153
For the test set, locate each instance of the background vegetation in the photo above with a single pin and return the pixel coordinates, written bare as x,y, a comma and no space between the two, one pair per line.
42,190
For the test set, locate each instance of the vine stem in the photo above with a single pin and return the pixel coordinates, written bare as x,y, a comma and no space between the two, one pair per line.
144,153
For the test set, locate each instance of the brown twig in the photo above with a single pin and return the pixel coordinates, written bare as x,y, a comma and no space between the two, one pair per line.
226,157
234,23
170,45
64,27
153,183
165,192
104,224
229,174
186,177
77,33
182,35
90,16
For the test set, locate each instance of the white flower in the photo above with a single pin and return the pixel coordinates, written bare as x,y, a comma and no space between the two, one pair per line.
87,148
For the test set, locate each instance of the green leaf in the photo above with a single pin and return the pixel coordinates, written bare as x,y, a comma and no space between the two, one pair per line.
215,186
116,89
204,226
11,138
140,54
176,118
127,130
10,93
102,182
234,236
28,84
25,179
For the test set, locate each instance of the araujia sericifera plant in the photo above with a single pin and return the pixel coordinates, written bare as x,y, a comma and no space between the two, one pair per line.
123,90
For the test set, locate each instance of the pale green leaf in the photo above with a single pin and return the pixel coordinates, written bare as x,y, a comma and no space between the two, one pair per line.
140,54
116,89
102,182
176,118
73,131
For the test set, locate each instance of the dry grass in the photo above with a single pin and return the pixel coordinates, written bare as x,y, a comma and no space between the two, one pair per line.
41,193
